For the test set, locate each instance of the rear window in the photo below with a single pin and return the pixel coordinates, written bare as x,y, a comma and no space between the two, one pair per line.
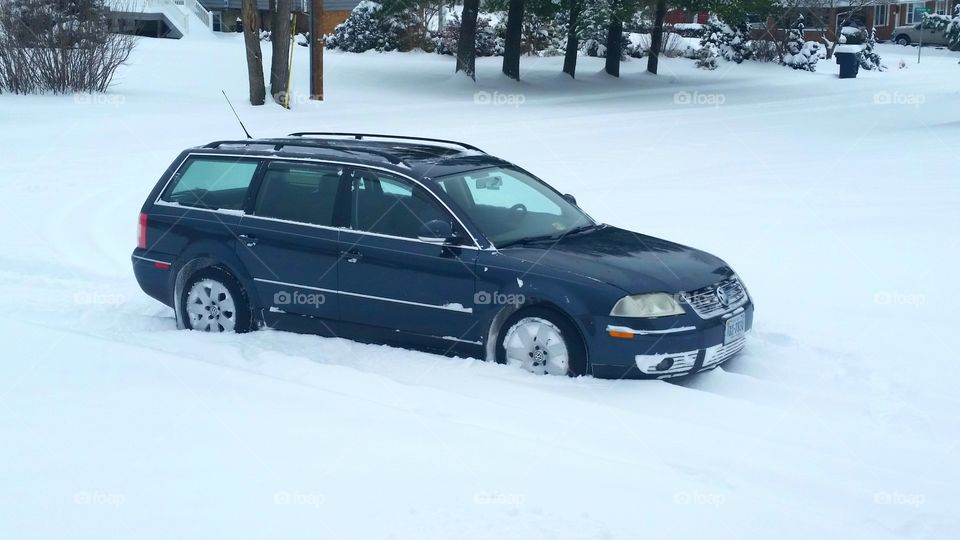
301,193
209,182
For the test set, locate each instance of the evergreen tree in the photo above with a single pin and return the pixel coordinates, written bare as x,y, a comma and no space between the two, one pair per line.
371,27
869,59
731,44
800,54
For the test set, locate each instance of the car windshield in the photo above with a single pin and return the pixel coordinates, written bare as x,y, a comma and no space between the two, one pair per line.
510,206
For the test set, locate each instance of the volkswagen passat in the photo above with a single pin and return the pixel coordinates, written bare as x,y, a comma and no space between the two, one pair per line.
427,244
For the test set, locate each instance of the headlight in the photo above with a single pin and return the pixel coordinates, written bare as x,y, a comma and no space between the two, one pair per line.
647,305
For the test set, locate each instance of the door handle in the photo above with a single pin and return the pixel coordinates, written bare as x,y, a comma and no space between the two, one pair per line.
249,240
351,256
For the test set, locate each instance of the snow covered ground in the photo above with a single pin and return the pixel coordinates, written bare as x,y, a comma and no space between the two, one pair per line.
836,201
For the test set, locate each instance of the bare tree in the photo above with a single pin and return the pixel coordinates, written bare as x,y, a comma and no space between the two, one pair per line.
280,59
251,39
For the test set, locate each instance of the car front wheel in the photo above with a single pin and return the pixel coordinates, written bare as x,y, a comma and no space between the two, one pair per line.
541,342
213,301
903,40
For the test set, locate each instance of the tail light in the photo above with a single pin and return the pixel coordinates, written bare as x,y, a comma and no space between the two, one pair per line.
142,231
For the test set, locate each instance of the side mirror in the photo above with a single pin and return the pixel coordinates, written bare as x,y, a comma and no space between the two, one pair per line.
570,199
437,232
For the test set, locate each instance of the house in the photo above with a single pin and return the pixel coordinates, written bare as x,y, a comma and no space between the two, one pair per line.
226,13
177,18
821,18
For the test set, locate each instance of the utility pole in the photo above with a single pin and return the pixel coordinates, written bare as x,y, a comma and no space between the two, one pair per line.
316,50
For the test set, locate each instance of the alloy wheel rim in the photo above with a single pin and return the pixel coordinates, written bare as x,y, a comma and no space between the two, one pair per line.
210,307
537,345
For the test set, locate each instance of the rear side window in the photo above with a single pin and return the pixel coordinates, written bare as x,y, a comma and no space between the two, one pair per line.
298,192
213,183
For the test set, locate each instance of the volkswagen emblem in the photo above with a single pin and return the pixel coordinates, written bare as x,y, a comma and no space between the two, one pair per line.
722,296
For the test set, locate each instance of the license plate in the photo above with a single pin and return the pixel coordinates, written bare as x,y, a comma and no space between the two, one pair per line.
735,328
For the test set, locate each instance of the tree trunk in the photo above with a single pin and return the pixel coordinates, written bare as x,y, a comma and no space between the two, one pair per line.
614,46
467,45
511,46
573,40
656,40
251,38
280,61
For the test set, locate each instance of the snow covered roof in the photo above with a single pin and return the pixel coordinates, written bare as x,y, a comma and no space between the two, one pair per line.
295,5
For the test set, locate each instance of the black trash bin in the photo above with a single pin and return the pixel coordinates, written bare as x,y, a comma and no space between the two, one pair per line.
849,65
848,57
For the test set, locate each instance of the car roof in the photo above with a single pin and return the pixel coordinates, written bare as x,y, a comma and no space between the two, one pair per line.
422,158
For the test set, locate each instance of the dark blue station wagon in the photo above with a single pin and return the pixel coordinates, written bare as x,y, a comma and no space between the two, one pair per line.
432,245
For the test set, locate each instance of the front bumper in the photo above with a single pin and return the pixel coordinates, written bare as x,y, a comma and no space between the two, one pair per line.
660,355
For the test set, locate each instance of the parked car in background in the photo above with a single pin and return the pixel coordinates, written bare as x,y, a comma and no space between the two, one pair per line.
914,34
427,244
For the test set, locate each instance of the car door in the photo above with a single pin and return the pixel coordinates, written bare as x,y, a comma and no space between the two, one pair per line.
935,37
392,280
289,239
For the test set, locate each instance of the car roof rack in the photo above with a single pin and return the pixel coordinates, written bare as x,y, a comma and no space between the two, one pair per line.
277,145
362,136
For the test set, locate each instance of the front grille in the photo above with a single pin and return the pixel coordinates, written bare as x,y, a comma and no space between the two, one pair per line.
721,353
706,302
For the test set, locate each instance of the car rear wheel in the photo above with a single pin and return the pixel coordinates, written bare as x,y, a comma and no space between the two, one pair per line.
541,342
213,301
903,39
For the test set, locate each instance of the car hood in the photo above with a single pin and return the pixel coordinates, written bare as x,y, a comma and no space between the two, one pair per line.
634,262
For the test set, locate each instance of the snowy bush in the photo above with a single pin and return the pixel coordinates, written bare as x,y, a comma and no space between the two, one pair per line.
59,46
487,42
800,54
869,59
672,46
946,24
764,50
543,36
690,29
728,43
370,28
592,28
706,58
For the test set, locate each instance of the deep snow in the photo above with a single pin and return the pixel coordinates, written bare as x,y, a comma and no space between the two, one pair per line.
836,201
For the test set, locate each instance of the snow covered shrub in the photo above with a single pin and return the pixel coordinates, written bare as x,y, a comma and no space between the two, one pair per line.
692,30
59,46
370,28
800,54
946,24
592,28
852,35
729,43
543,36
487,42
763,50
362,31
706,58
673,46
869,59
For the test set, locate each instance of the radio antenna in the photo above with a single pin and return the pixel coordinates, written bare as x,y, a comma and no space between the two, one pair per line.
235,114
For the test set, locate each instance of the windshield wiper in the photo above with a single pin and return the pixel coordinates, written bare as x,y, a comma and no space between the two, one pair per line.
583,228
551,237
529,240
